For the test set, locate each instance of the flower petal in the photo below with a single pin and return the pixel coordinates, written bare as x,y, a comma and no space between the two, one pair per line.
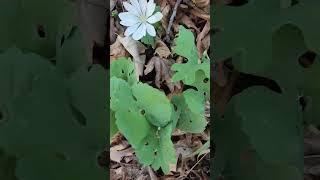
143,6
135,3
155,18
150,8
140,32
128,23
130,30
128,19
150,29
131,9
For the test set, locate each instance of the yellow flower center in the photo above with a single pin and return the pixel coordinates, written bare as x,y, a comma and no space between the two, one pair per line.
143,18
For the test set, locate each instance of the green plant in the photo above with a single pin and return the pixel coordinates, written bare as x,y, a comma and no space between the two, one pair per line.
145,115
270,40
52,101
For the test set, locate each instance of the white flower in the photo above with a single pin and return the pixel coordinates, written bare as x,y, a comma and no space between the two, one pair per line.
139,18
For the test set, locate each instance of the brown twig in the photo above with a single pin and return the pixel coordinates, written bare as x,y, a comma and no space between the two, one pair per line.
173,15
188,172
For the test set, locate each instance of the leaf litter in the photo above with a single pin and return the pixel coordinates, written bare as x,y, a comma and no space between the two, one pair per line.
153,65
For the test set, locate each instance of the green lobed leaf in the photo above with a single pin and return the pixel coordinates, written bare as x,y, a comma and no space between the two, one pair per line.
123,68
188,72
40,101
113,127
71,53
235,157
154,103
147,119
273,132
22,20
191,105
120,92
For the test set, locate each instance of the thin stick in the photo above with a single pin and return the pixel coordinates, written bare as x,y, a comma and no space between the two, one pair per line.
173,15
195,165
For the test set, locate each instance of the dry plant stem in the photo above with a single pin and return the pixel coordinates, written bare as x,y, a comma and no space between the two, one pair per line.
195,164
173,15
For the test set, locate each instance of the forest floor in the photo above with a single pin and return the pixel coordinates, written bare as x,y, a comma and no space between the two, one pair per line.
194,15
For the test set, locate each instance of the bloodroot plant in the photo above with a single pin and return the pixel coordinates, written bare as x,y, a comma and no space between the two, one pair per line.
147,117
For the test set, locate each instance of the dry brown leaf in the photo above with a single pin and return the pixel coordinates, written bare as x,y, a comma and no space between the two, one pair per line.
201,3
163,71
152,174
161,3
175,27
112,4
118,155
200,14
184,150
162,49
117,50
166,16
206,42
178,132
112,31
135,48
119,27
205,31
186,20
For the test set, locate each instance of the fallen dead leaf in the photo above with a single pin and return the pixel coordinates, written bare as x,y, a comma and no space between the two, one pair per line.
205,31
118,155
162,49
201,14
178,132
185,151
163,71
186,20
135,48
152,174
117,50
201,3
112,4
166,16
206,42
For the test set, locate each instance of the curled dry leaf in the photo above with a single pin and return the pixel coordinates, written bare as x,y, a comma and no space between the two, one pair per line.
117,50
119,27
201,3
200,45
163,72
135,48
186,20
201,14
161,3
166,16
162,49
206,42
